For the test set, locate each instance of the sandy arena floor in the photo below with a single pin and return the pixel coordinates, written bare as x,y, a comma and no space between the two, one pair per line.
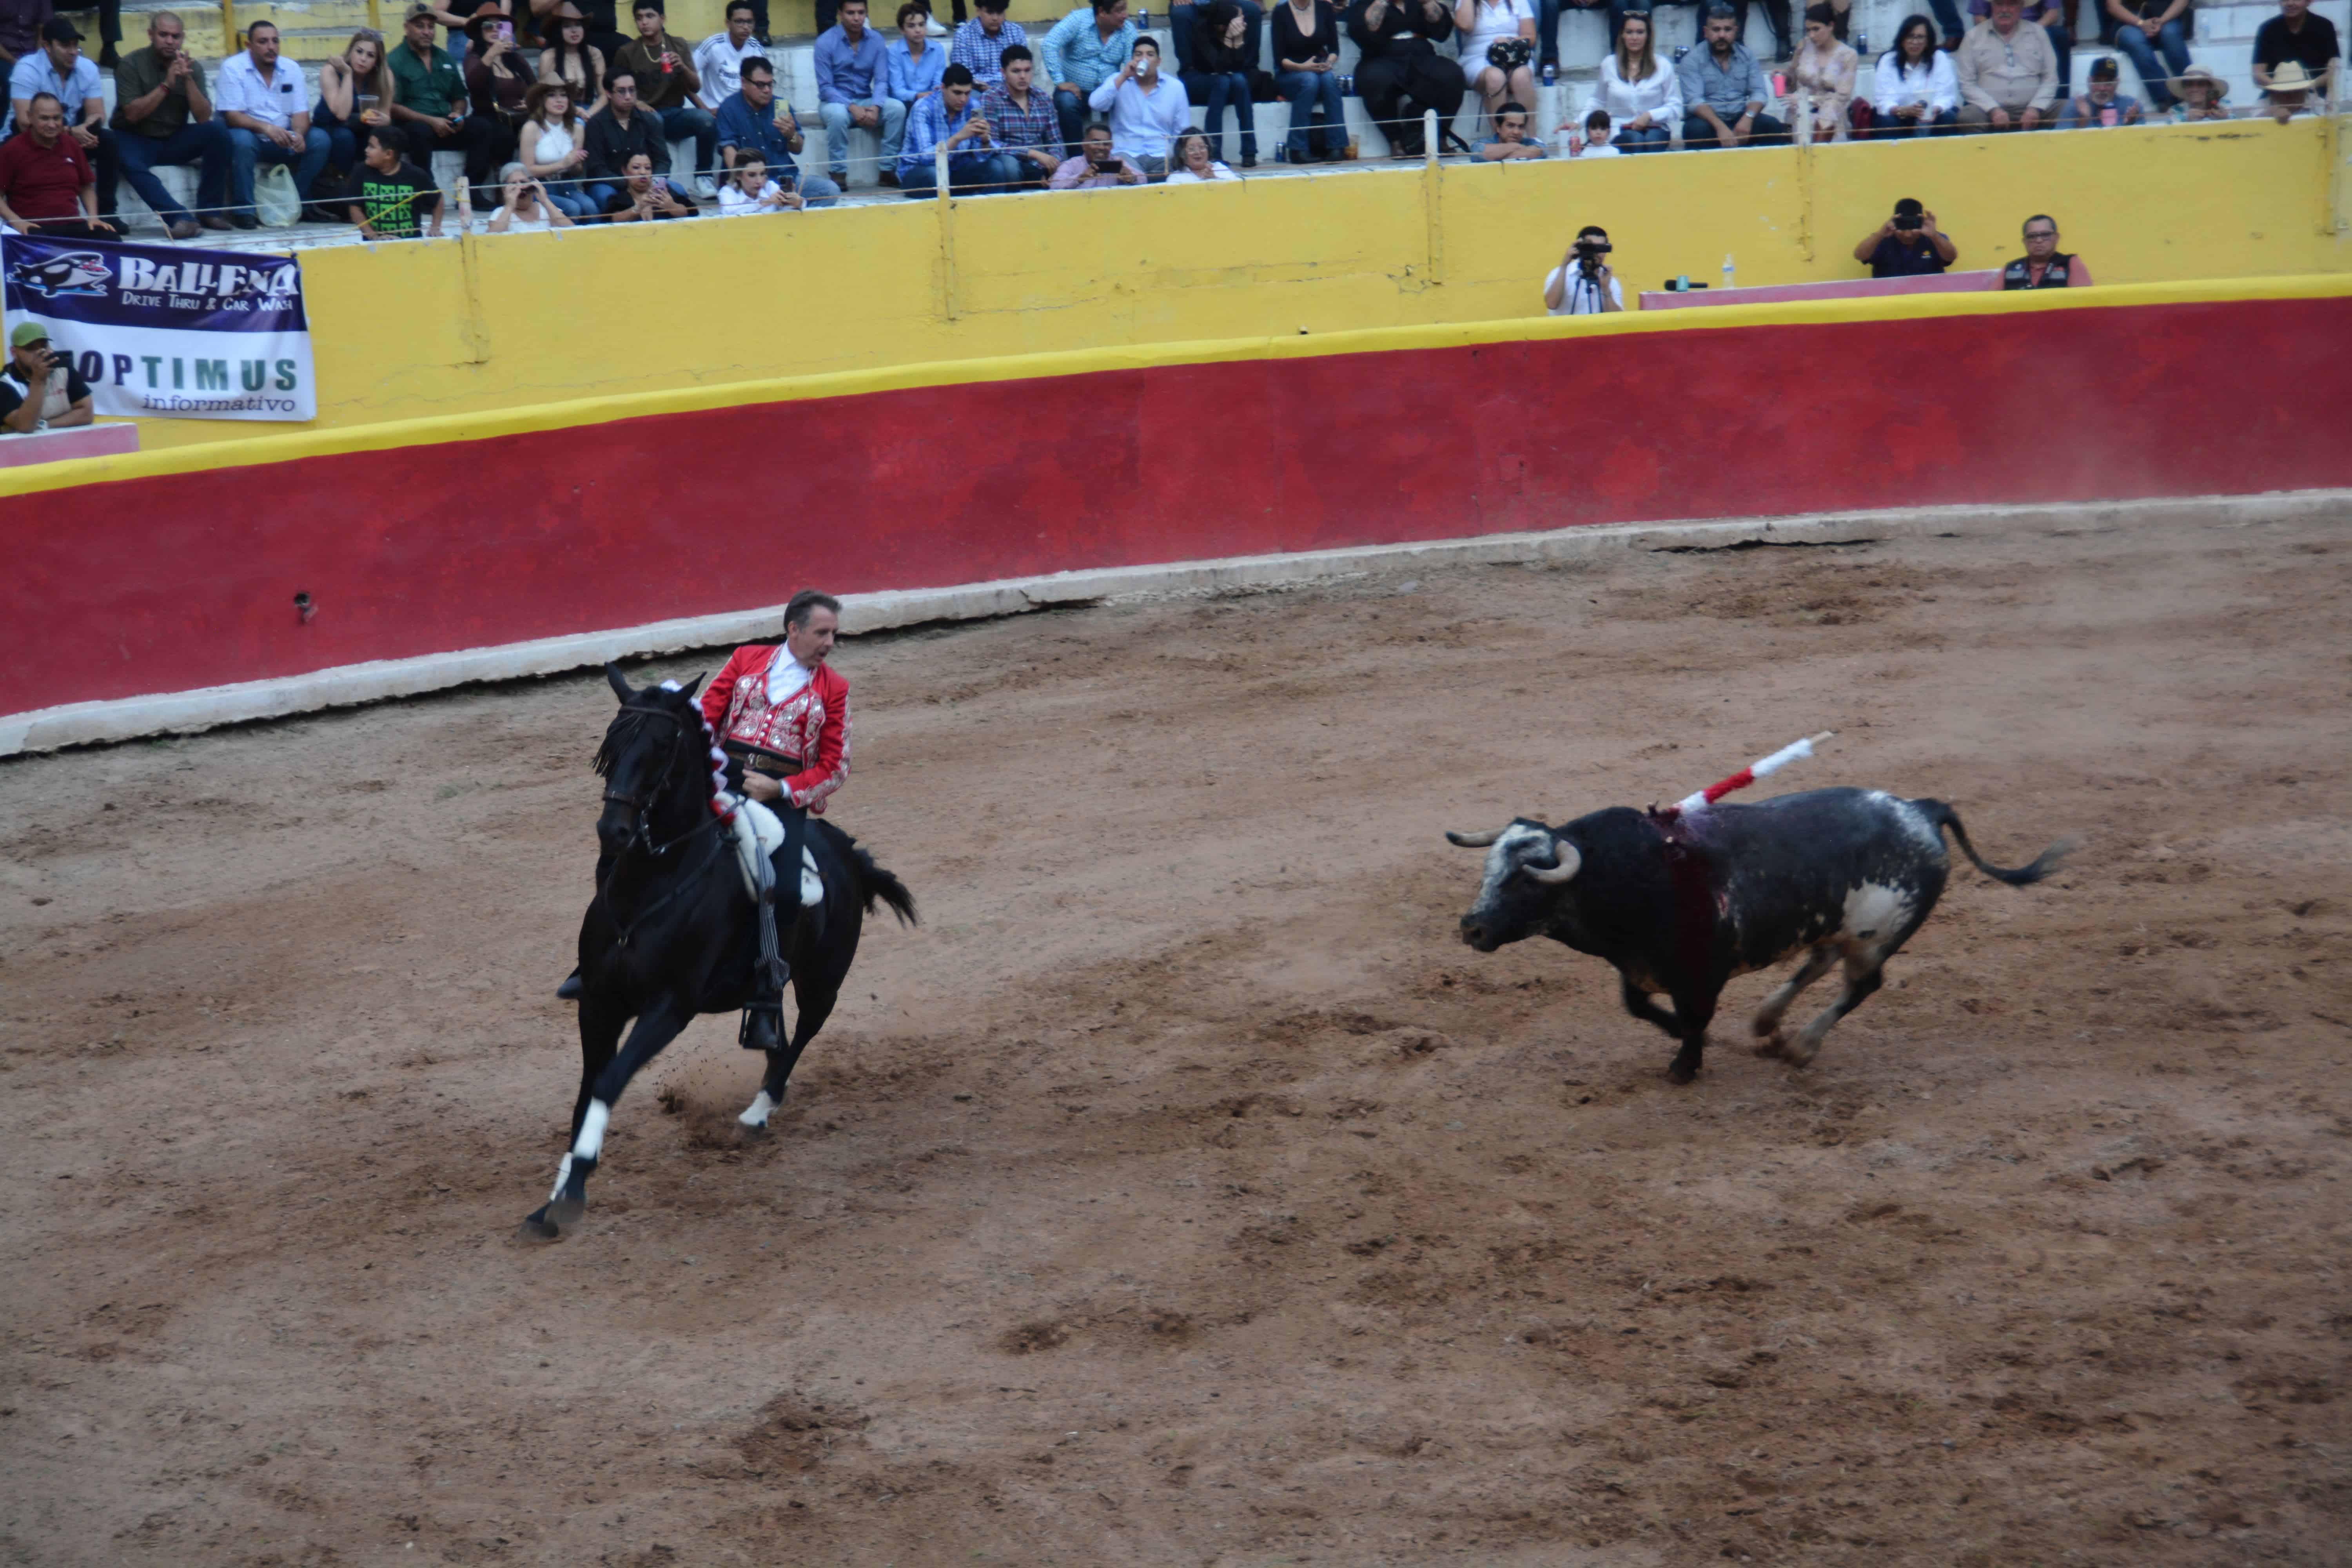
1182,1191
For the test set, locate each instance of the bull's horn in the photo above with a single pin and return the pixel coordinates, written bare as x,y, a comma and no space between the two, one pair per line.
1570,861
1472,840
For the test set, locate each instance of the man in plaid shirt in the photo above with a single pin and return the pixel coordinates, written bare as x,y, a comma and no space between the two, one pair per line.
1023,120
980,44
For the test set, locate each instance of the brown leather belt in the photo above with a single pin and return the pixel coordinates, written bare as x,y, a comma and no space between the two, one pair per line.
774,765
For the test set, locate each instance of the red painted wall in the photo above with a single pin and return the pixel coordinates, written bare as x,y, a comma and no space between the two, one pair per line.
148,586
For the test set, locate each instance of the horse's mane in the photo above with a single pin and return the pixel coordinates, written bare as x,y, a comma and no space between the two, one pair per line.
629,723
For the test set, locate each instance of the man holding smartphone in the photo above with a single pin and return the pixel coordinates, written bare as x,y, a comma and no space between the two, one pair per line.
752,122
40,390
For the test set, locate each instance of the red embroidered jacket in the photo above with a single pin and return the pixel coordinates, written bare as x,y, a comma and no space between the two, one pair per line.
812,724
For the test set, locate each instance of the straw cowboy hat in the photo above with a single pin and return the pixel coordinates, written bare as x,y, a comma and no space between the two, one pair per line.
2291,77
2198,73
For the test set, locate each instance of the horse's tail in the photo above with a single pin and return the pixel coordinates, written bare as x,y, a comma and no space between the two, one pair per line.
877,884
873,885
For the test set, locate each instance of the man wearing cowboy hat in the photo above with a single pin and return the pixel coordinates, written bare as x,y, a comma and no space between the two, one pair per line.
2044,265
2198,95
2289,93
2295,34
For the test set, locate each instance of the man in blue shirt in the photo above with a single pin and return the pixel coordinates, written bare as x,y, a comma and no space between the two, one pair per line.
1724,89
752,121
1085,49
852,87
949,119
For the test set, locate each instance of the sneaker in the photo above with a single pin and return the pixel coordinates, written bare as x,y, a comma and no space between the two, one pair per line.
704,191
934,28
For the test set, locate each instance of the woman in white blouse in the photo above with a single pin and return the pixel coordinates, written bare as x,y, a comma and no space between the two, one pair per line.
1914,91
1823,68
1190,164
1638,91
1480,25
523,205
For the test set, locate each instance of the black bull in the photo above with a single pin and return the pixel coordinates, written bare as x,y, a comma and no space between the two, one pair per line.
1680,906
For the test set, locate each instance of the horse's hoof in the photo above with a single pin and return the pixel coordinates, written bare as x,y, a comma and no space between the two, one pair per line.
565,1213
1772,1045
1677,1073
537,1228
751,1132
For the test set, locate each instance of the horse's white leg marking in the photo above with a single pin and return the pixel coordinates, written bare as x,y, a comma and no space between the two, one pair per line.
756,1114
563,1174
591,1131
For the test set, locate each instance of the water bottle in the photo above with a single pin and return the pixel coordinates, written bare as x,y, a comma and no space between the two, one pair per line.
1862,43
1727,270
1551,76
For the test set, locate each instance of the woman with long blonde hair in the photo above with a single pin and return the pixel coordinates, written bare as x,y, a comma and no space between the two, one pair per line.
356,92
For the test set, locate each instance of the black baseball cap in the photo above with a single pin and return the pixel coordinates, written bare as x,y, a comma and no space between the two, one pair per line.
2104,70
58,30
1908,207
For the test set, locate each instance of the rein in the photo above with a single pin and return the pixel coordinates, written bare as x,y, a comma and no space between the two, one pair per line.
643,805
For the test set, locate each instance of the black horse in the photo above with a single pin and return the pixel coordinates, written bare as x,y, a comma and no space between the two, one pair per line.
671,931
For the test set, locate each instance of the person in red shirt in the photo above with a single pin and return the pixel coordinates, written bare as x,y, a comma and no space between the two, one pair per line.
782,715
46,184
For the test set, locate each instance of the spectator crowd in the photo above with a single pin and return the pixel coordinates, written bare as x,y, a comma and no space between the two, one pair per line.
581,130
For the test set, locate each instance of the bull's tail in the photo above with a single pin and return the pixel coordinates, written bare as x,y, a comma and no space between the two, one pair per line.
2048,860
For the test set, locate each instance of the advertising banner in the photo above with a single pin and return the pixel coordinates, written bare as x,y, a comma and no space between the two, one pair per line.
164,332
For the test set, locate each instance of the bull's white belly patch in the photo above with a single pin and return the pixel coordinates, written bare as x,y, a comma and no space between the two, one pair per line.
1874,911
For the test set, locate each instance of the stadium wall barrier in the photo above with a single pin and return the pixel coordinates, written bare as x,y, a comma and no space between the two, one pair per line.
421,542
489,322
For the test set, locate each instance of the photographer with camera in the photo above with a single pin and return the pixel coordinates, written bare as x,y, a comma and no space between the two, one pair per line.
1908,245
40,390
1582,284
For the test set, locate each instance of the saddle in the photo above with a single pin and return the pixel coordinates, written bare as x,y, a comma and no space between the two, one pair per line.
758,837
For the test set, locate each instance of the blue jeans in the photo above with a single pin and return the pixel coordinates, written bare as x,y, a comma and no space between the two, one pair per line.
1229,88
204,143
602,193
1948,17
1070,107
1933,123
1307,90
815,189
686,120
979,176
571,198
2172,39
1547,36
1656,139
246,150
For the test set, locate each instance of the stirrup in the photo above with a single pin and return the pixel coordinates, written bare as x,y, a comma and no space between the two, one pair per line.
768,1014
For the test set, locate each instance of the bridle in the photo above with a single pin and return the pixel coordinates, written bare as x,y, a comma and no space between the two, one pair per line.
643,804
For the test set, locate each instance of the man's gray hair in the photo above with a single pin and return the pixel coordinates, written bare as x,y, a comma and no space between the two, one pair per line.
806,602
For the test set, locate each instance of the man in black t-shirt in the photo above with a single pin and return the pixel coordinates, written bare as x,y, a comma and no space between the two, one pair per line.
386,192
1908,245
40,390
2295,34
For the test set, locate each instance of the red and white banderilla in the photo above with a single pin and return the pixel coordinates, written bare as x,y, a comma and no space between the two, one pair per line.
1761,767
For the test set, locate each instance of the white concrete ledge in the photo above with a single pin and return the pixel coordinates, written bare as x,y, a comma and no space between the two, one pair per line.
129,717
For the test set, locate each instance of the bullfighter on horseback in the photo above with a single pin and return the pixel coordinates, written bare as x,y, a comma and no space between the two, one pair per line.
782,715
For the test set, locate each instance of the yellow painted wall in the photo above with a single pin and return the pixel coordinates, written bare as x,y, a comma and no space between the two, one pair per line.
403,332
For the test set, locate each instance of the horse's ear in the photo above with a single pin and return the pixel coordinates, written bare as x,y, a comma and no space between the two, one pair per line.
619,683
692,686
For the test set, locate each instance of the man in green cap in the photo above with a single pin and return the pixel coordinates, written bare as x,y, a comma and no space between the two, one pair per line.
40,390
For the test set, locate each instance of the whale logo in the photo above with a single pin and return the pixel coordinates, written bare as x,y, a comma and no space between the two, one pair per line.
74,272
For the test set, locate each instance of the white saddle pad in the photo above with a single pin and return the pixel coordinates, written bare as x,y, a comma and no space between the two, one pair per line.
758,836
